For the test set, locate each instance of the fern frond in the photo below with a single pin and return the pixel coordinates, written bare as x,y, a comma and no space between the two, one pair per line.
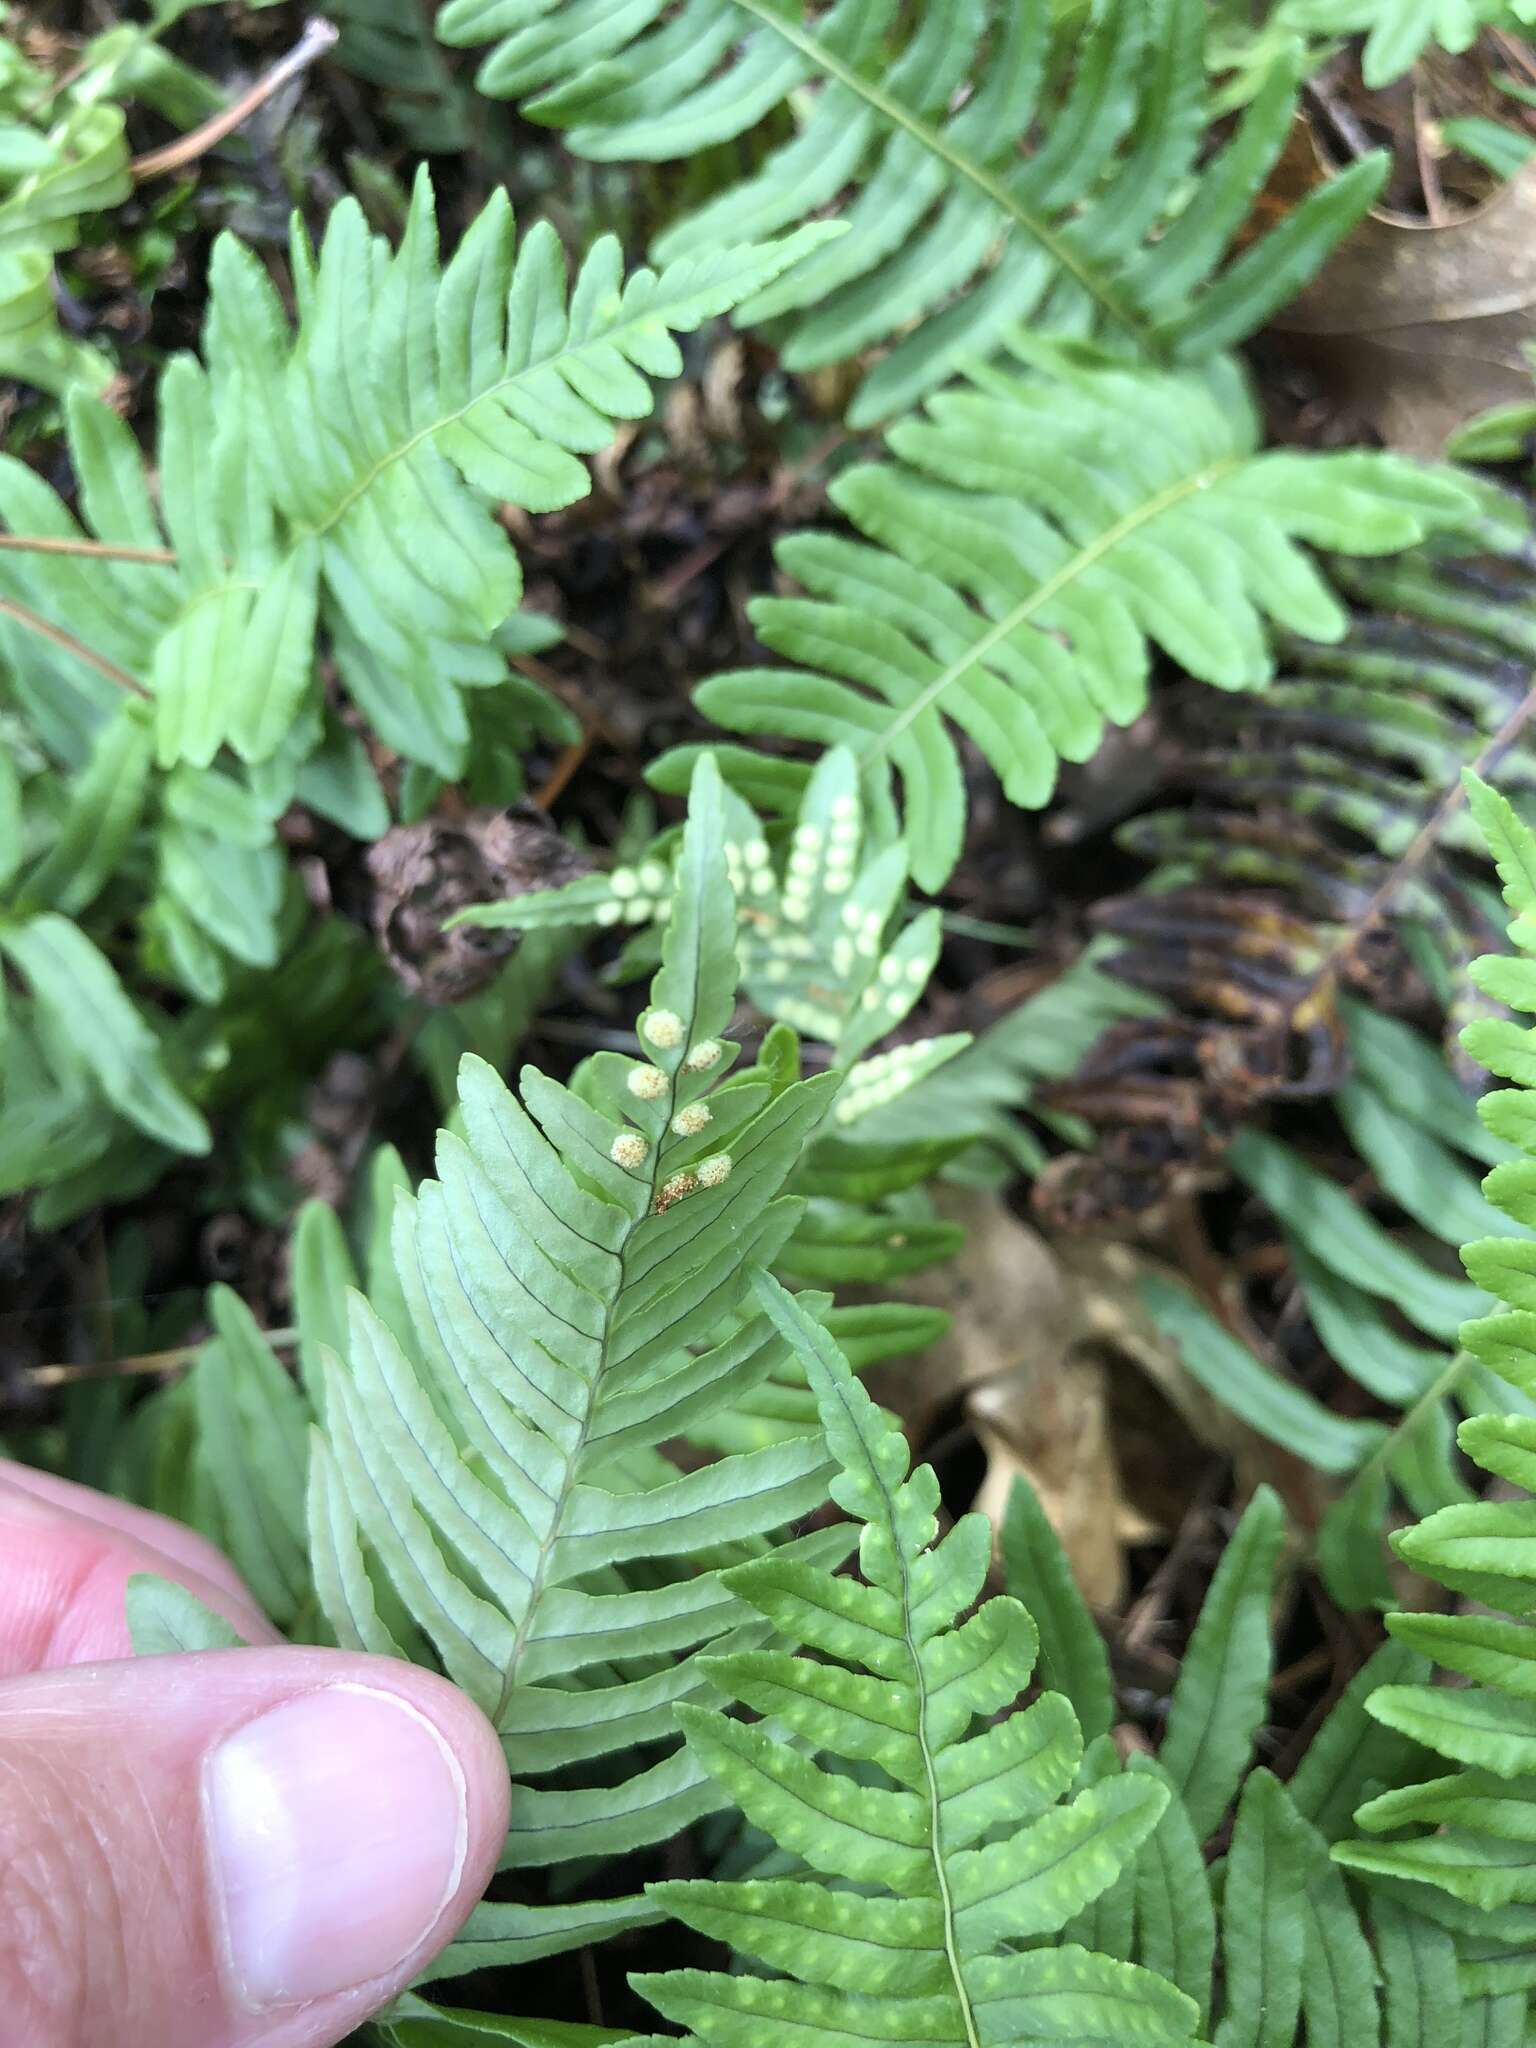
913,126
1468,1834
393,48
817,935
823,952
1073,1660
1378,1301
252,1426
1218,1703
1299,1958
338,475
570,1296
951,1850
988,1087
191,862
87,1031
232,1438
1011,582
414,2023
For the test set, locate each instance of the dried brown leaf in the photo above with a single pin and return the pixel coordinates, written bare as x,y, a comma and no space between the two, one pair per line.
1417,327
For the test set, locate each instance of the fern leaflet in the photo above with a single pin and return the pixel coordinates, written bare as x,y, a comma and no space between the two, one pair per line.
815,908
1013,578
1397,32
1463,1840
54,172
952,1853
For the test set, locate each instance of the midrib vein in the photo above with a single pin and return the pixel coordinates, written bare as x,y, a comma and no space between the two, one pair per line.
570,1475
1025,610
932,139
608,338
930,1772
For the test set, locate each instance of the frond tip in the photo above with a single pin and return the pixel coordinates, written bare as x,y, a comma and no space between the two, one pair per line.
337,473
490,1493
947,1841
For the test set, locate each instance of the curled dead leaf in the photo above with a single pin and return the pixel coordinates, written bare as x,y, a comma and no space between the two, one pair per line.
421,874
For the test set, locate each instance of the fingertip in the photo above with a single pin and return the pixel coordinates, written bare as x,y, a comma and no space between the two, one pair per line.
287,1837
467,1734
173,1540
488,1784
65,1575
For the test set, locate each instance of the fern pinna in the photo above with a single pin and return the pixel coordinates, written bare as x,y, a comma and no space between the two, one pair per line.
338,471
949,1849
570,1295
976,189
1462,1846
1013,579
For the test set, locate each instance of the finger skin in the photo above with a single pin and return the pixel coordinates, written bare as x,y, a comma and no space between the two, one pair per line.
111,1926
64,1573
122,1918
174,1540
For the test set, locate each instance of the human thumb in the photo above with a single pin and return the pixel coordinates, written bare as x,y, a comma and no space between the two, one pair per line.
237,1849
245,1849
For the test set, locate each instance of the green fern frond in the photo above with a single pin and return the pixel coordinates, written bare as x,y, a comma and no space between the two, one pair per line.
570,1295
232,1437
338,474
1379,1304
414,2023
192,859
78,1001
817,904
1503,433
914,125
989,1086
393,49
1012,582
945,1861
1468,1834
78,167
1300,1957
1073,1660
1304,1953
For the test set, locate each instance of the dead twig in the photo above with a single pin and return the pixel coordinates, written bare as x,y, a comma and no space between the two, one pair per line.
102,550
25,616
318,37
559,776
144,1362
